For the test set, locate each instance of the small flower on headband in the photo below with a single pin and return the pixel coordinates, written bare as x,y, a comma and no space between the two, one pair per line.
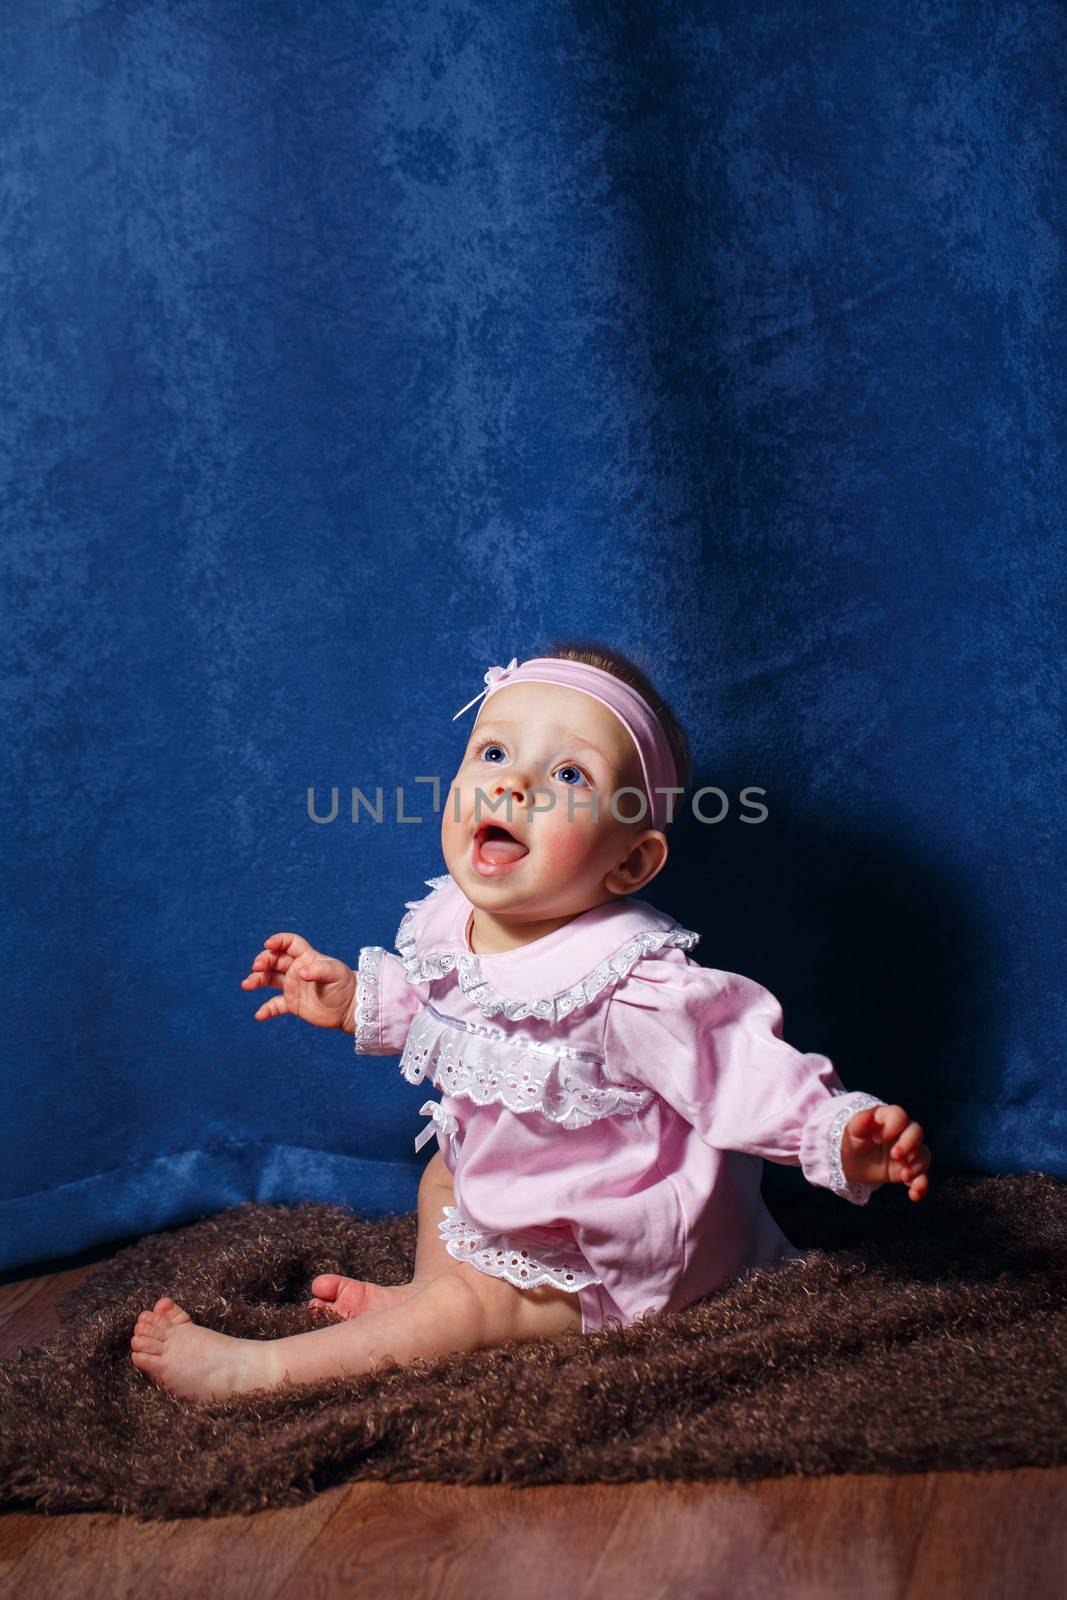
491,677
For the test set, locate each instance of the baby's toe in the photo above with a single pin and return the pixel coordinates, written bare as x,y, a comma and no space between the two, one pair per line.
326,1285
169,1313
147,1342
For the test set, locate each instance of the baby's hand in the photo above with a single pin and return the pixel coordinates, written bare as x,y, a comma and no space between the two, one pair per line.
318,988
864,1158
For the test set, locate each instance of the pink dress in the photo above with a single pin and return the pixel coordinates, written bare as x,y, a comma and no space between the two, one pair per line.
605,1104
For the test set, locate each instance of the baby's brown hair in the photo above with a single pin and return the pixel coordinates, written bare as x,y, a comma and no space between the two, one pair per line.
608,659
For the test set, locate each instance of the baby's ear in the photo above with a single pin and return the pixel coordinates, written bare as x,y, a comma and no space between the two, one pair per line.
645,858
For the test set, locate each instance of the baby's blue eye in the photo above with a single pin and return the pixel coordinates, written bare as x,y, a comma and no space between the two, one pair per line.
489,747
579,774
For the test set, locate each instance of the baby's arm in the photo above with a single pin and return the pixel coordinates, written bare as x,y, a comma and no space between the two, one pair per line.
710,1043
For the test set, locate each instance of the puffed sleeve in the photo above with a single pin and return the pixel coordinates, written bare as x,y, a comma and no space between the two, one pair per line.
710,1043
386,1002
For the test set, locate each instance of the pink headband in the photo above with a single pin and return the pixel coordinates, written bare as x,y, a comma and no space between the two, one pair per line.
631,708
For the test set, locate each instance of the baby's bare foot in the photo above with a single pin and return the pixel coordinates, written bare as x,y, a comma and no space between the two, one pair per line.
198,1363
351,1297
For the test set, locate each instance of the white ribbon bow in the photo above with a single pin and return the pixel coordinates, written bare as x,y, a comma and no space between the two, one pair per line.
444,1124
492,676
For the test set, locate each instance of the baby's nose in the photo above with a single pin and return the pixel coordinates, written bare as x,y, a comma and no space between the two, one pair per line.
517,791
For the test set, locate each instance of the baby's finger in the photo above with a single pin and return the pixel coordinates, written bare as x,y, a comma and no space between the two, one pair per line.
911,1136
917,1160
888,1120
262,971
294,943
316,969
917,1189
267,960
268,968
275,1007
864,1125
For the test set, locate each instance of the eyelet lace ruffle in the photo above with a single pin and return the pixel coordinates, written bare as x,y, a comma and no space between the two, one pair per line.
503,1256
551,1008
489,1067
368,1019
858,1193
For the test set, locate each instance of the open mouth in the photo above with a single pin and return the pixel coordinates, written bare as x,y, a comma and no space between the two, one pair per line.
496,849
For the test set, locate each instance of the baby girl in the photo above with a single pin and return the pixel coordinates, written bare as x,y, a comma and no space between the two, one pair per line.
606,1102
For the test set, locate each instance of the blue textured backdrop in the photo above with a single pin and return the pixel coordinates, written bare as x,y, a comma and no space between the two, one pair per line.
349,348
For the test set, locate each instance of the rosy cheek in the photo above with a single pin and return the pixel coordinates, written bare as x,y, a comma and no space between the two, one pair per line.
566,843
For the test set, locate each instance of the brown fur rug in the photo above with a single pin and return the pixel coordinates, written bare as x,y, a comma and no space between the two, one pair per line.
910,1337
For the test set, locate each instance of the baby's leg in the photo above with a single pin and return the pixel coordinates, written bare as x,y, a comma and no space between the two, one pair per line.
462,1309
435,1192
353,1297
457,1309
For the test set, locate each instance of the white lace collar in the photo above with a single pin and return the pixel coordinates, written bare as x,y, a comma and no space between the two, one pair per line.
547,979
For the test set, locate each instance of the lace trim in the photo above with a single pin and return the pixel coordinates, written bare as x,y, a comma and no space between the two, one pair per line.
552,1008
502,1256
368,1022
489,1067
858,1193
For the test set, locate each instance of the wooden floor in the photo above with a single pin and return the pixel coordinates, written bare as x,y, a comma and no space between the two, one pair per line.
940,1535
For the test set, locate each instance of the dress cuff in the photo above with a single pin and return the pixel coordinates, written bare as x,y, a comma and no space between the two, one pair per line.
820,1156
368,1020
386,1002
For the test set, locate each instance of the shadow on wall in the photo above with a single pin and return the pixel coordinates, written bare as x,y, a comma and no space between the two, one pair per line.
863,941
